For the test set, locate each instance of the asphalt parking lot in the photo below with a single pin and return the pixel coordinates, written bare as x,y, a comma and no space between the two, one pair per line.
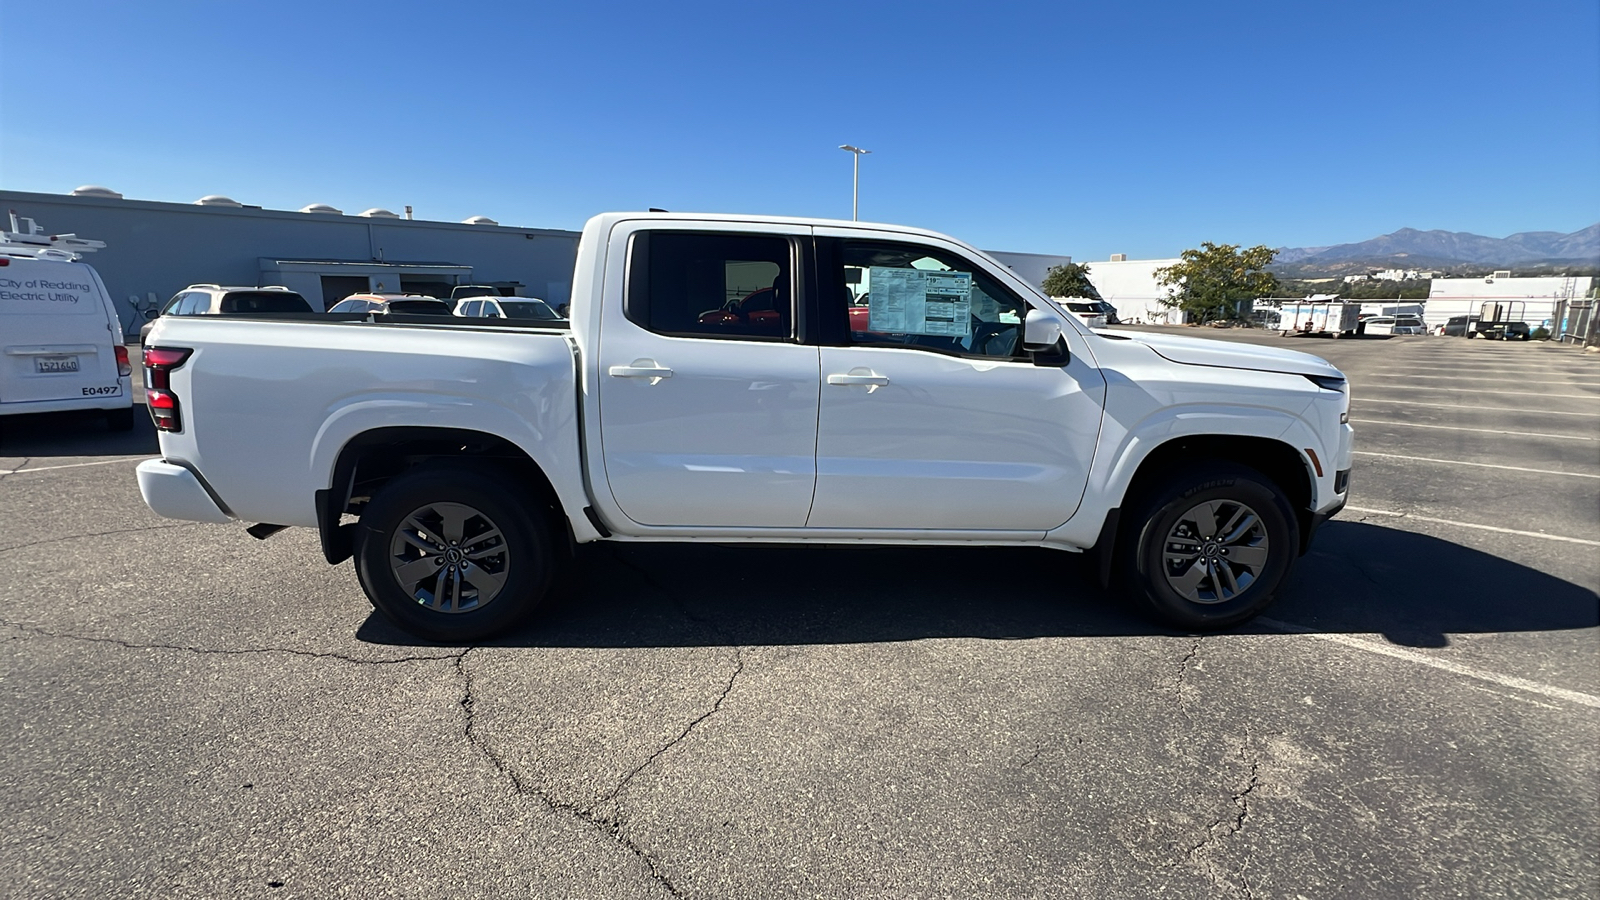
193,713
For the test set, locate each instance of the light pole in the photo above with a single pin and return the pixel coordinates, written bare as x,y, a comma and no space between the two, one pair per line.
855,183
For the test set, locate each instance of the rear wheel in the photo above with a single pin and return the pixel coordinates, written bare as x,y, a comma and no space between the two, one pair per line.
1210,547
449,554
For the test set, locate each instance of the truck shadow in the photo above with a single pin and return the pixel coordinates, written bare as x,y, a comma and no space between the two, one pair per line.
76,434
1359,578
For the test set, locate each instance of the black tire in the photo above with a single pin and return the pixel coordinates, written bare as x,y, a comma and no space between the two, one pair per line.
120,419
504,548
1152,568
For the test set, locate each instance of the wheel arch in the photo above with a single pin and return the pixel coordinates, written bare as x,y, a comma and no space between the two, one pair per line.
1276,460
372,458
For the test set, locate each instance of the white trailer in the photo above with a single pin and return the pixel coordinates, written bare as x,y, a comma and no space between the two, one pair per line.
1330,317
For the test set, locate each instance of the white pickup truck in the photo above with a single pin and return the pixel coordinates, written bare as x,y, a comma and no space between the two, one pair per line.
734,378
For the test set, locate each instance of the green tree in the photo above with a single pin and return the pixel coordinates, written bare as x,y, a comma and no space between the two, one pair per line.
1070,280
1211,282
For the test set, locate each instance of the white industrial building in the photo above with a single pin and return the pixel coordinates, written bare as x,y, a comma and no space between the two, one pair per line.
1537,297
1130,285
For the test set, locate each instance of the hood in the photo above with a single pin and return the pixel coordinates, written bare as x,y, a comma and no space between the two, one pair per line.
1227,354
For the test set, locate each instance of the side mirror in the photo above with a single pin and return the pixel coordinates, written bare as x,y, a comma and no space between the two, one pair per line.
1042,336
152,314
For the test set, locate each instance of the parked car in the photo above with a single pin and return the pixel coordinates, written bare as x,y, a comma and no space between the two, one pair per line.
1394,325
401,304
474,458
463,291
60,337
1089,311
507,308
215,300
1109,311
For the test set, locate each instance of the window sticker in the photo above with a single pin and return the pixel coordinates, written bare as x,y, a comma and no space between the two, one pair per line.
913,301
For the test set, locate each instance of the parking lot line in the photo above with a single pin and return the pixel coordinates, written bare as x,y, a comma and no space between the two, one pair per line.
1474,525
1487,378
1538,434
1539,412
98,462
1510,681
1458,462
1453,390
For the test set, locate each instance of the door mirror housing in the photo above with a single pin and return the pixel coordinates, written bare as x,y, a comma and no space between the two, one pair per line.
152,314
1044,338
1042,329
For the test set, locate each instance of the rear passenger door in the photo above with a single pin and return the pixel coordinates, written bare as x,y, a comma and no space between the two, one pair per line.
707,397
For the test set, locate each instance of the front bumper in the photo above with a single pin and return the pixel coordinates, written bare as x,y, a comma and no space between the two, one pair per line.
177,493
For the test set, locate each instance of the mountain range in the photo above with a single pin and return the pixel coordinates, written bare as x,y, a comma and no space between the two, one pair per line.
1409,248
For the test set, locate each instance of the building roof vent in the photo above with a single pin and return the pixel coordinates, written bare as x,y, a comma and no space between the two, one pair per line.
321,208
376,213
479,220
95,190
218,200
1119,257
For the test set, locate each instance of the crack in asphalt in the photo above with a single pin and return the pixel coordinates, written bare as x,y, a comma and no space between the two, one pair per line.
610,827
210,651
1226,825
727,689
16,468
74,537
1181,686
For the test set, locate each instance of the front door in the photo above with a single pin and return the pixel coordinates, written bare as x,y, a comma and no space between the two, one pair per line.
932,416
708,401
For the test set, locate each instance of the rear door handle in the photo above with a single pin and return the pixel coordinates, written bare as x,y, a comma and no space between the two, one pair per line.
641,368
860,375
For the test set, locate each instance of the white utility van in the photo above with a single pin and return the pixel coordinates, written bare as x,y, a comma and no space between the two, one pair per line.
60,339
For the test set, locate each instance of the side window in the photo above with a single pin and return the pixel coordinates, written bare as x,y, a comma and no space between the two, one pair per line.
171,306
491,309
705,284
471,307
906,294
196,303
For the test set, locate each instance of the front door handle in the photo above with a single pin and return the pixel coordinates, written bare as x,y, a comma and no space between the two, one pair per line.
641,368
860,375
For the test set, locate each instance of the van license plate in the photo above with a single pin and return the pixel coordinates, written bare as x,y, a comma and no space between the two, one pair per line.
47,364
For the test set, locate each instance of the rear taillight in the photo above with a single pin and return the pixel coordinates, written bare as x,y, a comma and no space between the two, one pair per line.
123,366
158,396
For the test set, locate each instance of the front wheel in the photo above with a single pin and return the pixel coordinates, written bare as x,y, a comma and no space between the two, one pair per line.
450,554
1210,547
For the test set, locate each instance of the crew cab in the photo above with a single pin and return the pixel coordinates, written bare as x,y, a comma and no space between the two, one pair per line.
746,378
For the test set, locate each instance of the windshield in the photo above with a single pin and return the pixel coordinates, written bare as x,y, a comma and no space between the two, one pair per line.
528,309
1083,307
419,307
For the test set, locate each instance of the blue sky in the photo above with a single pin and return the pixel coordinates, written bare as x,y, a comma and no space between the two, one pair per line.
1078,129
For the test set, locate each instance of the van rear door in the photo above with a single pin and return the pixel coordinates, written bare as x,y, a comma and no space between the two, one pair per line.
56,340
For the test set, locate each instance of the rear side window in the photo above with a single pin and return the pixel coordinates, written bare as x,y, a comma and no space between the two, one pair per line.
706,284
419,307
264,302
